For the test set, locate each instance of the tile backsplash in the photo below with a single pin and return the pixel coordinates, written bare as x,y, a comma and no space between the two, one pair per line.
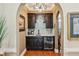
42,32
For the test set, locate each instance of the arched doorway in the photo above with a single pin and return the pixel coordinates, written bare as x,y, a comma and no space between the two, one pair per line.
59,29
22,14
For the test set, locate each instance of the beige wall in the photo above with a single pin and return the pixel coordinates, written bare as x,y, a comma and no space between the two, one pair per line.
69,45
9,11
55,29
22,34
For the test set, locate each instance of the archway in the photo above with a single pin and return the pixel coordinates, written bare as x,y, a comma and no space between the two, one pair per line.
21,15
59,31
21,43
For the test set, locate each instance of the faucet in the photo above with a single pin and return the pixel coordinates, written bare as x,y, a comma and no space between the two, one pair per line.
38,33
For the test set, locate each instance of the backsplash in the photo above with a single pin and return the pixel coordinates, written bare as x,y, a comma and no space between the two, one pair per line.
44,32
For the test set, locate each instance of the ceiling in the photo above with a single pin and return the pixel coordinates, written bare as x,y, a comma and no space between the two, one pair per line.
39,6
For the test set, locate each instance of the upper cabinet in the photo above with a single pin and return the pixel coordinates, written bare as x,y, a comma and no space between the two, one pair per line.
46,17
31,20
49,20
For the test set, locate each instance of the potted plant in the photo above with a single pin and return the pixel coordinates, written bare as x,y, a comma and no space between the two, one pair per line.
2,30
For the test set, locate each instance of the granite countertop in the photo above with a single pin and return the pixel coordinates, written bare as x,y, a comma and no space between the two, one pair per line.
40,35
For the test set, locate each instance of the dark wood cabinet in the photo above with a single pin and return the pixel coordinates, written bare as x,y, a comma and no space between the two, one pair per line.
40,43
34,43
49,20
31,20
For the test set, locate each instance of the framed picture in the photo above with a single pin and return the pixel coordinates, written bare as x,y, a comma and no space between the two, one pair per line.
73,26
22,23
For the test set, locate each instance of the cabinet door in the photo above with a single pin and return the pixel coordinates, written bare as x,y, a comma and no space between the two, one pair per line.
37,43
49,43
34,43
49,20
40,42
27,43
31,20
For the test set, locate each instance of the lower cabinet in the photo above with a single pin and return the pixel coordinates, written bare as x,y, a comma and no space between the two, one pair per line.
34,43
49,43
40,42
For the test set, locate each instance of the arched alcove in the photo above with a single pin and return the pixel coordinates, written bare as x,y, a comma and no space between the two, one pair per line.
22,10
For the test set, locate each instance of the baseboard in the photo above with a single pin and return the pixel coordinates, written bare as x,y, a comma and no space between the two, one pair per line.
71,54
71,49
56,50
24,51
9,50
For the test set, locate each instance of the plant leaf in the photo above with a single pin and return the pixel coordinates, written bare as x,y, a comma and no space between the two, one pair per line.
2,28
